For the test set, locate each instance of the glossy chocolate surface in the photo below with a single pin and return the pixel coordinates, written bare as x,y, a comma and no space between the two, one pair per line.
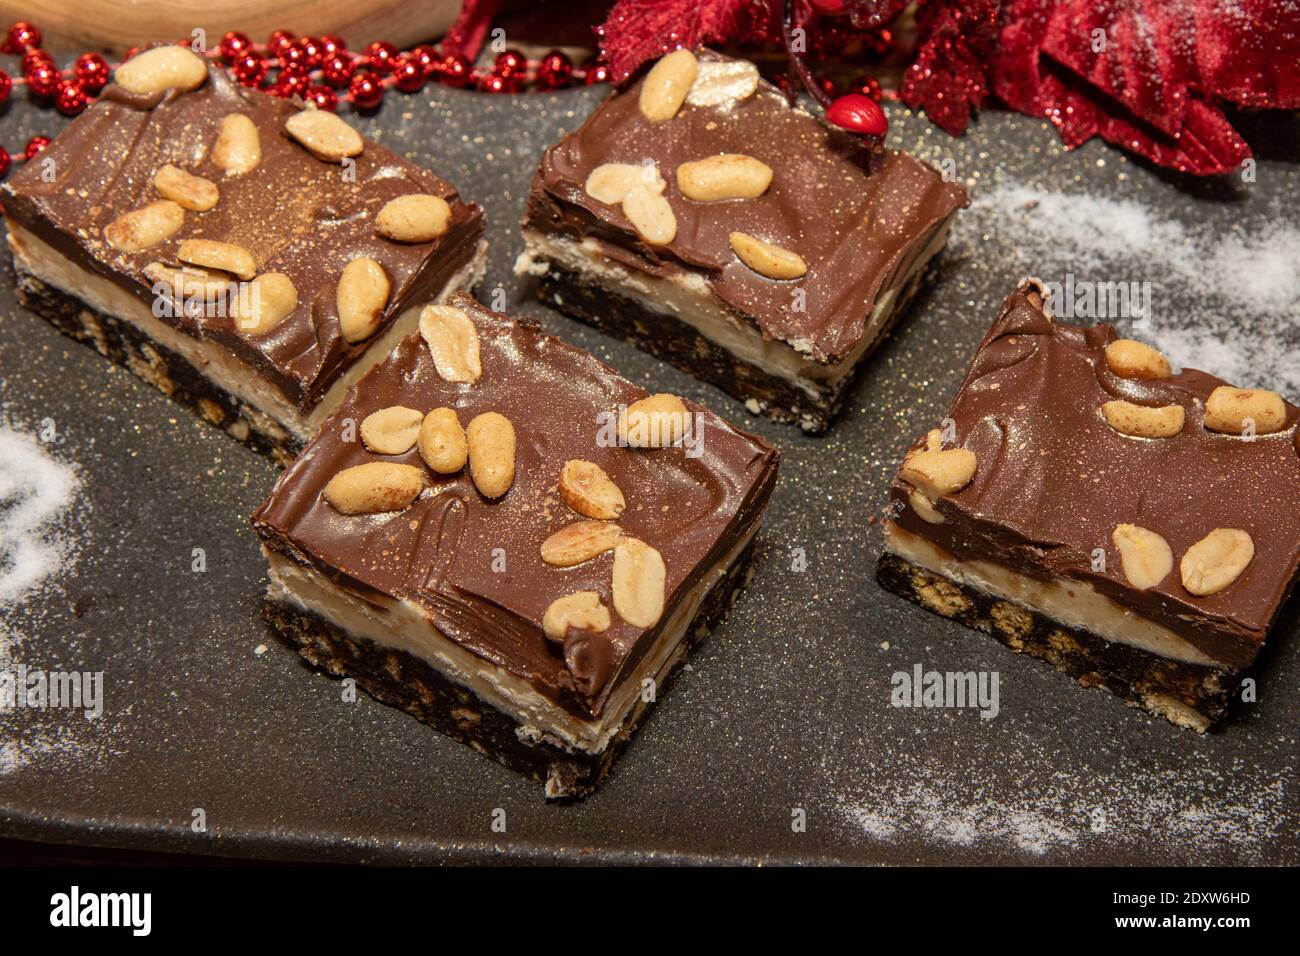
1053,479
297,214
474,564
855,216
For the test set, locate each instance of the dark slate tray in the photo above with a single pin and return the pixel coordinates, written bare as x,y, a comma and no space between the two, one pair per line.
786,708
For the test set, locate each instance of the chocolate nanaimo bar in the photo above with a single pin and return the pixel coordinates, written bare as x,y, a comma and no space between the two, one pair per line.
1137,528
248,257
501,536
702,217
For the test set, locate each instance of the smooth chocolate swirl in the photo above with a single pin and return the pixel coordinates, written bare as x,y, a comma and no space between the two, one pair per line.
1053,479
296,214
854,215
442,552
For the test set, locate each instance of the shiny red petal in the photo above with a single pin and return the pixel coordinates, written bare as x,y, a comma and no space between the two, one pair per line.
1138,52
1248,51
640,30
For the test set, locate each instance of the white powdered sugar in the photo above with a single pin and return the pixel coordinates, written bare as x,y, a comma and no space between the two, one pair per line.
1072,808
39,543
1224,300
36,493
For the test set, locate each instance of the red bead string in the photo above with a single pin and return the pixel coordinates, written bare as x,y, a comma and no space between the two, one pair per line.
321,70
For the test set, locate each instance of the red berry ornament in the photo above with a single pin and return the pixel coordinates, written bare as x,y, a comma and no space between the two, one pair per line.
91,71
366,90
4,161
6,86
858,114
35,145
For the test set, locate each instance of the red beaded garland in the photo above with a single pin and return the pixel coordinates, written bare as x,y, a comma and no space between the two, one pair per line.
294,55
34,58
455,70
249,69
69,98
280,41
43,79
234,45
91,70
499,83
323,97
291,82
510,63
21,36
366,90
594,72
296,60
311,51
555,71
379,56
427,57
408,74
331,45
337,69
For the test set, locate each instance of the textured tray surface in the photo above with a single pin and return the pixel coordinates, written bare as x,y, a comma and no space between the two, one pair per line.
787,706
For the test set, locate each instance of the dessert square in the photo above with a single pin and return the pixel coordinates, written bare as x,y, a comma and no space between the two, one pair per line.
498,534
735,235
248,257
1137,528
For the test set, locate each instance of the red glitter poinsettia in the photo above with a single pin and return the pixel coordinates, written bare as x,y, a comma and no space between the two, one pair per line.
1149,76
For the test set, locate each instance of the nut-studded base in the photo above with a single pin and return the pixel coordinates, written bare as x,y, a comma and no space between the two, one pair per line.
126,345
403,680
1189,695
668,338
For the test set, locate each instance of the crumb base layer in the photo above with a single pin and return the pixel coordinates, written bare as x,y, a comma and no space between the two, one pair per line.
1189,695
405,681
124,344
668,338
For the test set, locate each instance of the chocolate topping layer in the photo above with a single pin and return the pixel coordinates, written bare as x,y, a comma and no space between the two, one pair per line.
1053,479
296,214
854,215
445,551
